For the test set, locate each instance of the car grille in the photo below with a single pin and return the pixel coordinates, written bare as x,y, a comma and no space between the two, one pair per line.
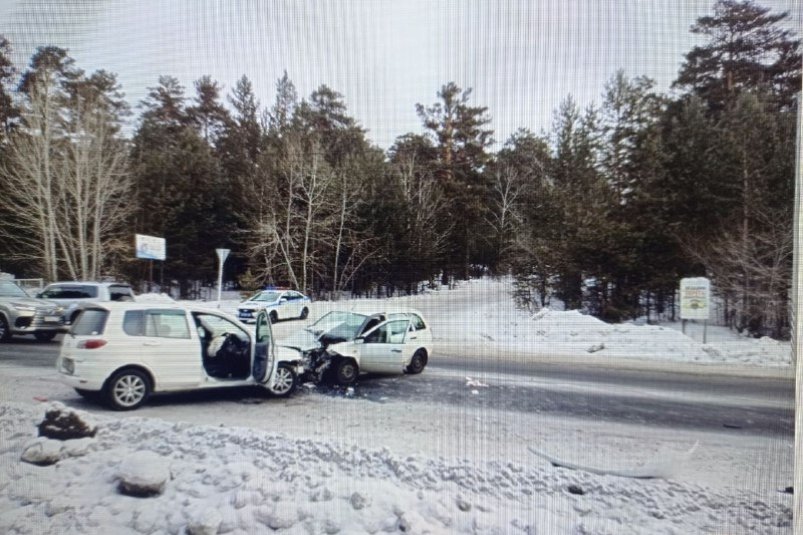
43,317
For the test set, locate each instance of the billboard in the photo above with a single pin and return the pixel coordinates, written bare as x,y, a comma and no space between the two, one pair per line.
150,247
695,298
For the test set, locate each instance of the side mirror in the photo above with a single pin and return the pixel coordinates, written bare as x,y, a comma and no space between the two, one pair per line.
359,340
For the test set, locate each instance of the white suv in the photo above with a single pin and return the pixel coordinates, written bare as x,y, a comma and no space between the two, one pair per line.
123,352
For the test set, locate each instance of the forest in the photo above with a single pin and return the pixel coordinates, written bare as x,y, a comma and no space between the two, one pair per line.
605,211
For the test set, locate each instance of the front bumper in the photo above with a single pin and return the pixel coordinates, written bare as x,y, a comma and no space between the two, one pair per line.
40,320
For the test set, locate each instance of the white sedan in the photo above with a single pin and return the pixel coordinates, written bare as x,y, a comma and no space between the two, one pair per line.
279,304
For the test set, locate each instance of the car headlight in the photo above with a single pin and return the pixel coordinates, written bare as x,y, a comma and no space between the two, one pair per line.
23,307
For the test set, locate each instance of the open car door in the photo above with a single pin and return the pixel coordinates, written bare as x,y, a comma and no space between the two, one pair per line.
263,349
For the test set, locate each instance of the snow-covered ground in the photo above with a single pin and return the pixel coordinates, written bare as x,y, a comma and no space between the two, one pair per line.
328,464
480,315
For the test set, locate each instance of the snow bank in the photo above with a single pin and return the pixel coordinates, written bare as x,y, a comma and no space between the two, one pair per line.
231,480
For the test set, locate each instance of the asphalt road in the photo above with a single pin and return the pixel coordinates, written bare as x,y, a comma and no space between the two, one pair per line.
676,400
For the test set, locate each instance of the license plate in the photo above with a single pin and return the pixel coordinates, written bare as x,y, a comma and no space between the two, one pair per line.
245,314
55,319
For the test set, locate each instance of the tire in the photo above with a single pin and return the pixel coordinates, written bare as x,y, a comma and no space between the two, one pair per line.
344,372
127,390
5,332
304,313
285,381
417,363
89,395
273,316
44,336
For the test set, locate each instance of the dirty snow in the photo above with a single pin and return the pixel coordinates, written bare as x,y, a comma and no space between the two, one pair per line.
239,480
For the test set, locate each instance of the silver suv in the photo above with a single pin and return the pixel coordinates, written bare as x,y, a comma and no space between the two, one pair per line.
73,295
22,314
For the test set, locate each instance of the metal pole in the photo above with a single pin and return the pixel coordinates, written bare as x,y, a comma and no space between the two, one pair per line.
797,322
221,256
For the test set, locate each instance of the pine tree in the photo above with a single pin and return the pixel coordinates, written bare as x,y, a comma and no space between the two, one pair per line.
746,49
460,133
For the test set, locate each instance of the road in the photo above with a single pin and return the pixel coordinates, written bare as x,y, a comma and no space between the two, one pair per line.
662,398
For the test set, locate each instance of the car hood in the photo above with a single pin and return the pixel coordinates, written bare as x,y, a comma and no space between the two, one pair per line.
302,340
29,301
286,354
252,305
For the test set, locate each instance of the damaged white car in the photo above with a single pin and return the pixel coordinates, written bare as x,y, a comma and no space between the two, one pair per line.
341,345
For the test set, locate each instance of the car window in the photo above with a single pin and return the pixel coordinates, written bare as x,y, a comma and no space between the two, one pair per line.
416,323
120,293
91,321
215,325
158,323
391,332
70,292
263,329
266,297
10,289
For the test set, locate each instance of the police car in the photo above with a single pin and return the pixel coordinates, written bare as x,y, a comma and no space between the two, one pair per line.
278,303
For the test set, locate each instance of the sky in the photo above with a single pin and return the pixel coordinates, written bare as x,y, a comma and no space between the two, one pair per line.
521,58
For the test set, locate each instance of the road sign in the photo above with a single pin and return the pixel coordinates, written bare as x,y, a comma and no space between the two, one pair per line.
695,298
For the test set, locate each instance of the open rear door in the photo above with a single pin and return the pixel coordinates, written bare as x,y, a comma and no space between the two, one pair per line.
263,348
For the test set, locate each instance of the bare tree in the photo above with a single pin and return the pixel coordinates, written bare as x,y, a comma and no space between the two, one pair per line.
95,187
508,190
753,274
66,187
30,182
292,213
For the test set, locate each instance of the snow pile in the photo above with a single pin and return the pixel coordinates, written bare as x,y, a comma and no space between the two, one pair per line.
231,480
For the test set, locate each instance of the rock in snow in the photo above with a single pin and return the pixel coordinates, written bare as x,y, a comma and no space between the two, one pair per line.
42,452
143,474
63,423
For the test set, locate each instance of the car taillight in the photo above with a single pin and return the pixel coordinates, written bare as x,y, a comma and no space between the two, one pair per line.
91,344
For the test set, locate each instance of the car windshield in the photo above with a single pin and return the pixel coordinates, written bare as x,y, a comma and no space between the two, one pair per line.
73,291
345,325
265,297
10,289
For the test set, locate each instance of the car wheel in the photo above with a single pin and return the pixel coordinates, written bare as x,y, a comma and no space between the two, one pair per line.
127,390
417,363
5,332
304,313
44,336
273,317
285,381
345,372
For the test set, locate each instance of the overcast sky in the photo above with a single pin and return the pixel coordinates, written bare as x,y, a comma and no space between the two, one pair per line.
521,58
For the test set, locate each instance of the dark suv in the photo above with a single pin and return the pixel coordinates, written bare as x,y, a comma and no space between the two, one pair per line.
22,314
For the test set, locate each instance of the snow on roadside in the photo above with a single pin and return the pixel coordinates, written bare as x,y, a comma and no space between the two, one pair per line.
235,480
482,313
